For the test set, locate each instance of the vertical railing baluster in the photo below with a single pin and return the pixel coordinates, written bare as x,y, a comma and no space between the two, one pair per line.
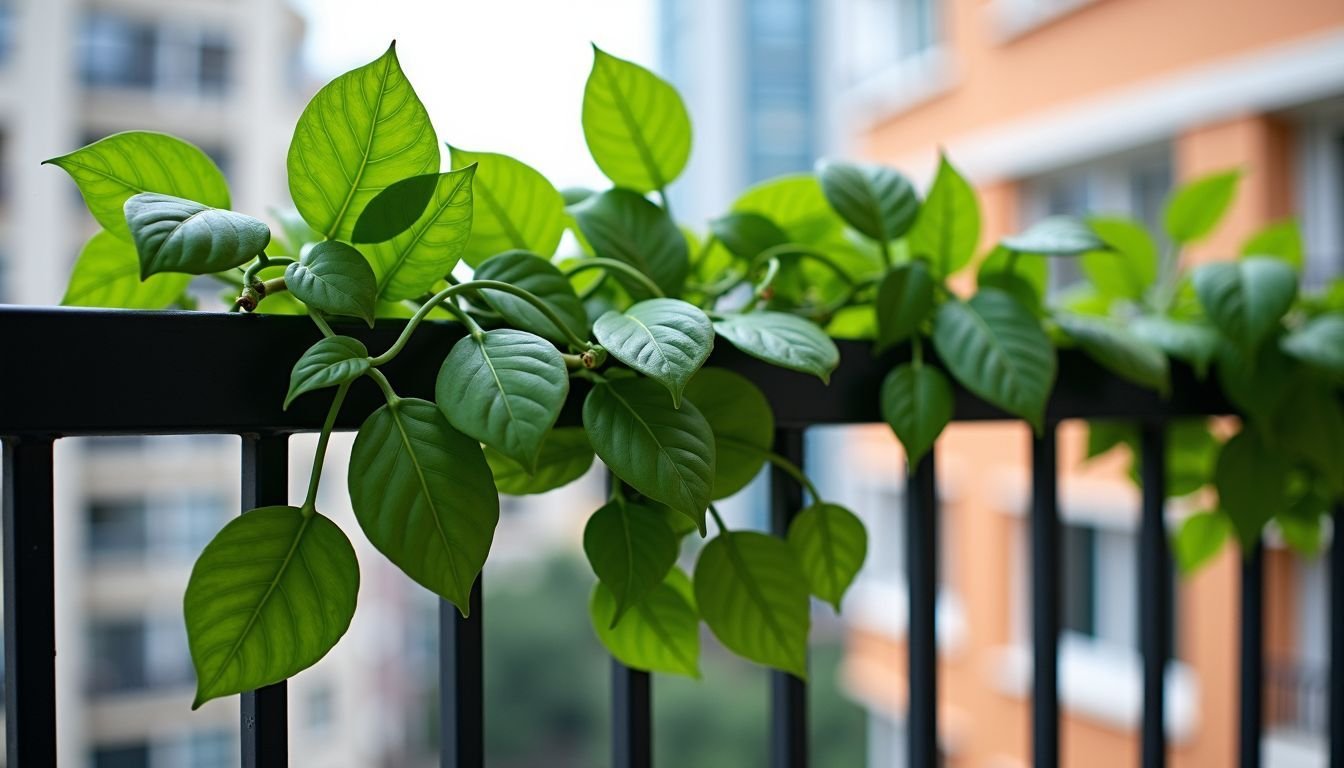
921,557
30,603
1155,587
265,712
1252,654
631,710
788,694
1335,716
1045,586
462,684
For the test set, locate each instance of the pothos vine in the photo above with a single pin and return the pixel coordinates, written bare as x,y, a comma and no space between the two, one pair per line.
634,305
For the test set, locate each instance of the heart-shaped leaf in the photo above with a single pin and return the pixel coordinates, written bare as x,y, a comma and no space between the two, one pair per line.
565,457
1194,342
1319,343
796,204
393,210
423,494
1252,482
904,301
1196,208
917,403
743,424
516,207
752,593
413,261
996,349
107,274
176,235
948,227
635,124
747,234
876,200
663,452
665,339
331,361
661,633
1055,236
363,132
622,225
831,544
1246,298
109,171
1129,265
542,279
504,388
269,596
334,277
781,339
631,549
1122,352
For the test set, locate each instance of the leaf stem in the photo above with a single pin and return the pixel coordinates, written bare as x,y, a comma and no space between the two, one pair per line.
263,261
389,394
886,252
793,470
917,345
611,265
717,519
320,457
766,286
808,252
321,322
667,206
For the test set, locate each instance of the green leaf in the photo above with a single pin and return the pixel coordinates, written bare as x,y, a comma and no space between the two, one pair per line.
393,210
665,339
663,452
334,277
743,425
1308,426
996,349
1246,298
747,234
831,544
1252,482
1281,240
660,634
517,208
781,339
904,302
1302,533
107,274
565,457
631,549
752,593
1196,208
270,595
1124,353
1194,342
176,235
363,132
504,388
294,233
876,200
1200,537
635,124
1023,276
331,361
109,171
408,265
423,494
917,403
1255,383
622,225
543,280
1055,236
1318,343
948,227
795,203
1129,265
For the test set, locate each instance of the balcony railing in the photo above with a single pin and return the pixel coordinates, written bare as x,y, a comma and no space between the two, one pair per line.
86,372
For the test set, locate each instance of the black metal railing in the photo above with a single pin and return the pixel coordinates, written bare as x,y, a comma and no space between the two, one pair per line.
88,372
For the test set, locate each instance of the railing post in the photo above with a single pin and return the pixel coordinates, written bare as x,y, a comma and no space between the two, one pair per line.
1155,585
1336,694
462,684
1252,654
1045,585
788,694
265,711
921,557
631,710
30,603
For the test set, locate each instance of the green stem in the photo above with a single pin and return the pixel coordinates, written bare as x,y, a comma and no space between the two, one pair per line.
767,282
808,252
662,196
319,458
263,261
886,252
917,345
718,520
611,265
790,469
321,322
388,393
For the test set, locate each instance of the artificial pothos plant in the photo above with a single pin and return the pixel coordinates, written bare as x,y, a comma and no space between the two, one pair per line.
605,286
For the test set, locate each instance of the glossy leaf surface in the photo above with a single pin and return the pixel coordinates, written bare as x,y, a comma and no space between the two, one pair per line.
831,544
876,200
635,124
665,339
1055,236
107,274
565,456
545,281
904,302
516,207
660,634
1246,298
631,549
948,227
743,425
334,277
408,265
1122,352
917,403
781,339
176,235
329,362
624,226
1319,342
393,210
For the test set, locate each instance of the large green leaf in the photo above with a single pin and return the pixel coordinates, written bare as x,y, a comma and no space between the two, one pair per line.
1252,482
107,274
1201,536
635,124
904,302
1246,298
752,593
1319,343
331,361
781,339
1196,208
1129,265
393,210
413,261
176,235
517,208
565,457
111,170
1055,236
1280,240
876,200
504,388
747,234
363,132
743,424
948,227
665,339
545,281
663,452
660,634
622,225
1309,427
996,349
917,403
1194,342
795,203
831,544
334,277
423,494
1124,353
631,549
270,595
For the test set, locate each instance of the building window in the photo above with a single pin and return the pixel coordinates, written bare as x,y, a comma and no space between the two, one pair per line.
117,51
138,653
882,34
1322,195
781,134
122,756
214,59
117,528
171,525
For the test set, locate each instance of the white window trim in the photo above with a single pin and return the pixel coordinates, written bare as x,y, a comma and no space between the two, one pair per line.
883,606
1014,18
900,87
1321,188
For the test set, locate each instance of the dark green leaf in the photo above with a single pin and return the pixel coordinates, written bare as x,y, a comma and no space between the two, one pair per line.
1196,208
1129,265
1023,276
1318,343
107,274
1252,482
517,208
176,235
796,204
1280,240
904,302
665,339
743,424
831,544
565,457
948,227
917,403
413,261
1055,236
1200,537
1257,383
631,549
1194,342
1309,426
329,362
393,210
781,339
660,634
543,280
876,200
635,124
747,234
1113,346
334,277
1246,298
622,225
1103,436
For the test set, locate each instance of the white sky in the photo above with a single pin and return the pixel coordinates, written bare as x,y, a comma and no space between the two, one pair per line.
496,75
